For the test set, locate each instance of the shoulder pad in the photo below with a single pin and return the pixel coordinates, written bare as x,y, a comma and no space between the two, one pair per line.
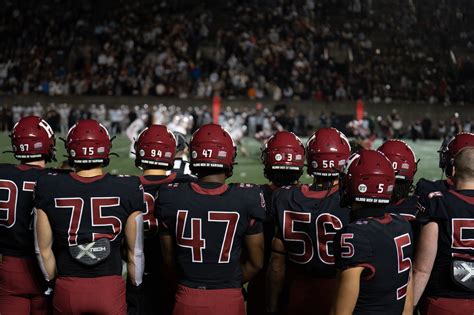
435,194
172,185
53,172
361,222
58,170
244,185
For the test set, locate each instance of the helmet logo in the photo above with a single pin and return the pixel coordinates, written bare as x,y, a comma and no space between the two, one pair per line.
278,157
47,128
362,188
298,157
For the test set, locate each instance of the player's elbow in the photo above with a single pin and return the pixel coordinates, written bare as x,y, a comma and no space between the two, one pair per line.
421,270
256,263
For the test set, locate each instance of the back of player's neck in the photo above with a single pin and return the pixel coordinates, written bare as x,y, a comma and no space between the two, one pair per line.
93,172
325,184
215,178
464,185
41,163
154,172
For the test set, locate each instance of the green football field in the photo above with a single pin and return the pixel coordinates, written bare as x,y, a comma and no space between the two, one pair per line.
248,169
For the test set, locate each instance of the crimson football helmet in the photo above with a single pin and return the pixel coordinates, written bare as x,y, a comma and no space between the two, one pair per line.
33,138
283,158
326,152
155,146
367,177
457,143
212,147
402,157
283,151
88,142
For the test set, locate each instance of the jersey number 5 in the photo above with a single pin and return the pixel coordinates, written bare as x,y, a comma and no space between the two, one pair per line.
98,220
404,263
197,243
460,227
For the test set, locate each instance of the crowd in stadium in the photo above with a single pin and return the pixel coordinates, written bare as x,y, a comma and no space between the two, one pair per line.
324,50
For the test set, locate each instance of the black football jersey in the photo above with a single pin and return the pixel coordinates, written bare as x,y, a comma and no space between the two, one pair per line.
17,184
209,222
407,208
454,213
425,187
82,210
307,222
269,222
383,246
151,247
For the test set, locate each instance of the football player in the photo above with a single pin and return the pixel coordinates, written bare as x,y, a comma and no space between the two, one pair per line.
446,159
444,260
283,160
154,154
181,164
307,218
374,251
204,225
405,165
21,283
87,215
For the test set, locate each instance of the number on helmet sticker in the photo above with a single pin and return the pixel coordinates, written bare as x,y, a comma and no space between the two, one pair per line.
207,153
380,188
88,150
394,165
328,163
156,153
289,157
23,147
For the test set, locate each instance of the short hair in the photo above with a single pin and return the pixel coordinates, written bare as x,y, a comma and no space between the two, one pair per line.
464,164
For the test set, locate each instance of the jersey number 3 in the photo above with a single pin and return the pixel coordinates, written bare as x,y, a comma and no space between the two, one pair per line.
197,243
